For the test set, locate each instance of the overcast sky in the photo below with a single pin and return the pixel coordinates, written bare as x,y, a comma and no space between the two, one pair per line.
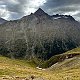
15,9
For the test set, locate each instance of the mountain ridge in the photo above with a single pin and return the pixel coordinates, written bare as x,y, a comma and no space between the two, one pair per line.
41,13
43,35
2,20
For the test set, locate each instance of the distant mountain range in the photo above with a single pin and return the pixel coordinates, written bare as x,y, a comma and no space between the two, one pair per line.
2,20
44,35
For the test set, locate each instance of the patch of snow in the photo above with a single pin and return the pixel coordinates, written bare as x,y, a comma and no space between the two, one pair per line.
40,68
43,69
57,17
65,17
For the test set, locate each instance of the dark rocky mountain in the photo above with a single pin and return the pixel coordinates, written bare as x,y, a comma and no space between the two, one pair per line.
40,35
2,20
40,13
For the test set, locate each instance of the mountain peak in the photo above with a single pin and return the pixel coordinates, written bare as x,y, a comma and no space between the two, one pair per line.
40,12
40,9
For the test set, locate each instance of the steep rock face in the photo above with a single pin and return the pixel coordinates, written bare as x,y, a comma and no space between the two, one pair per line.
44,35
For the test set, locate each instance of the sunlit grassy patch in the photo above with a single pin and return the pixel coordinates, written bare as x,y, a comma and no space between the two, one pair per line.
11,69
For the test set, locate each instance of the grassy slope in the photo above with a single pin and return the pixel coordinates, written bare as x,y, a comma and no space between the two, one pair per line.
73,51
69,68
60,57
11,69
64,70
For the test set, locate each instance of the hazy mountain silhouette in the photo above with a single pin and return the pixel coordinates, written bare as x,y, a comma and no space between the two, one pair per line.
2,20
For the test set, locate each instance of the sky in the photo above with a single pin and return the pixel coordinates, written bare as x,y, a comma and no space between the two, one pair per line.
15,9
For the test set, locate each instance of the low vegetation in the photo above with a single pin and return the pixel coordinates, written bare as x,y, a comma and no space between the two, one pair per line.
17,69
61,57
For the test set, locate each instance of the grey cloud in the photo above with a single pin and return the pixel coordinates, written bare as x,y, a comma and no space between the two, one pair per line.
59,3
63,7
17,8
14,7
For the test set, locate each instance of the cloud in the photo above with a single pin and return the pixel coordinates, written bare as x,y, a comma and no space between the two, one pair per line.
14,9
69,7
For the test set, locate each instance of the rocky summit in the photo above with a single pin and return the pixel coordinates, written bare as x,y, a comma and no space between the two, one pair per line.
39,35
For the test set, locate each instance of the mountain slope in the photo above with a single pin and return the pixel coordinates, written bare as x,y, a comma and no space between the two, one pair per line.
70,66
11,69
14,69
43,35
2,21
67,65
69,59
